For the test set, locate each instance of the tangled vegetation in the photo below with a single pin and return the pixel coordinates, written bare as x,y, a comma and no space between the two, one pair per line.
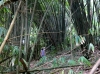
68,29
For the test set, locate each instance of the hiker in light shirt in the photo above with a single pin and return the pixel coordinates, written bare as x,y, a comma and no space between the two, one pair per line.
42,52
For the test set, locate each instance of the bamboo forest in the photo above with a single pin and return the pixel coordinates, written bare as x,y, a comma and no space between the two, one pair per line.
49,36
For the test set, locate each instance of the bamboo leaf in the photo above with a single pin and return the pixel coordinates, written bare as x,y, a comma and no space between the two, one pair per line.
71,62
15,50
61,60
2,31
55,64
91,47
83,60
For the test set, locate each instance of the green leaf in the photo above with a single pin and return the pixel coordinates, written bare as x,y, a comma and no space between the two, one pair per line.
91,31
61,60
6,47
1,40
79,40
55,64
82,39
91,47
15,50
42,60
83,60
71,62
2,31
80,72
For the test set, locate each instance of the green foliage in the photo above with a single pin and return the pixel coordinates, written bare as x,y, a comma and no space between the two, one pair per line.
33,34
72,72
42,42
15,61
91,31
94,30
91,47
1,40
52,47
72,62
42,60
3,18
5,10
79,40
61,60
55,15
6,47
15,50
80,72
97,40
67,41
55,63
67,4
53,50
3,31
83,60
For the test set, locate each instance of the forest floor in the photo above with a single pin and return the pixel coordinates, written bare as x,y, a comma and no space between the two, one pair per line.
58,63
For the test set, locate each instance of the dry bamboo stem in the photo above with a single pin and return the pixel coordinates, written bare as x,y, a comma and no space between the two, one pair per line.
95,67
10,28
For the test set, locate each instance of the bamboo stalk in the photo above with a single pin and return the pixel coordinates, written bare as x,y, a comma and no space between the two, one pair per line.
10,28
38,33
95,67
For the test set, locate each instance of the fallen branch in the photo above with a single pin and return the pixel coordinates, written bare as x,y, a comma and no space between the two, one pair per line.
24,65
5,59
95,67
35,70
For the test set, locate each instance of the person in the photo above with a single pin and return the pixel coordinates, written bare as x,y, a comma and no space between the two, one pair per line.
42,52
43,56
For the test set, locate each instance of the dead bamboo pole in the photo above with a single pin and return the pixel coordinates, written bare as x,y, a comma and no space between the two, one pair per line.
10,28
95,66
